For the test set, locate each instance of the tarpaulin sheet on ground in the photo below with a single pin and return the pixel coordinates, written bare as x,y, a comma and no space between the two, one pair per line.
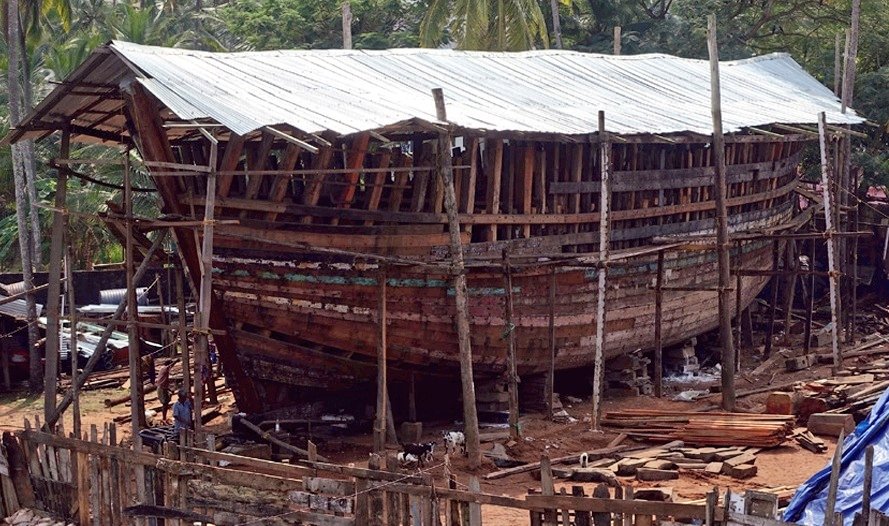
809,502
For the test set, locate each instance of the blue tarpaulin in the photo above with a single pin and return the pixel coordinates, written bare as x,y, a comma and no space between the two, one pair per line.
807,505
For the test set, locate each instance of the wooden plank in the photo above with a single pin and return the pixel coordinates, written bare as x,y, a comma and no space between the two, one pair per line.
355,160
636,507
379,179
494,175
602,289
230,159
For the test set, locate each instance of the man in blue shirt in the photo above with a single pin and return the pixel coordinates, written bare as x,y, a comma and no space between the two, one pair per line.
182,412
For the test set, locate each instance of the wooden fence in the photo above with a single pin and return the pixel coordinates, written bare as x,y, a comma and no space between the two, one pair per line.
93,481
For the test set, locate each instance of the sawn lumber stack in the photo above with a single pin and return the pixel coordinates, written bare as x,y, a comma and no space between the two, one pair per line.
723,429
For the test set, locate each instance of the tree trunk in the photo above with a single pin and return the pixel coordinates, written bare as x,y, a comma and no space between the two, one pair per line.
557,22
21,192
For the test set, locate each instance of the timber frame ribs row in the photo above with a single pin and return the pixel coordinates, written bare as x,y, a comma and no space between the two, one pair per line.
304,224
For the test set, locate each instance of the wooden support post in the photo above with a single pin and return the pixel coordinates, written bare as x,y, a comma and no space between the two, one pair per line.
347,25
791,270
206,291
617,40
72,309
810,301
382,386
183,339
658,327
833,484
470,415
137,400
494,171
53,293
738,299
831,244
773,303
547,488
853,315
604,251
557,22
509,331
867,483
725,317
551,373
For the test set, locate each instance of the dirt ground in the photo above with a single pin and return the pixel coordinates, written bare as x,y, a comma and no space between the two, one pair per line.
786,466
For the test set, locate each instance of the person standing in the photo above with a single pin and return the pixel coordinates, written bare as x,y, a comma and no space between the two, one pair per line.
182,409
163,388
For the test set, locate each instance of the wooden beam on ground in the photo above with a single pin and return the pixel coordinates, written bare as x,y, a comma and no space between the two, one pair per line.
604,250
470,415
722,240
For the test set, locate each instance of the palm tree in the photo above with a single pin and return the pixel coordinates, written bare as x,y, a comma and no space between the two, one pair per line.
497,25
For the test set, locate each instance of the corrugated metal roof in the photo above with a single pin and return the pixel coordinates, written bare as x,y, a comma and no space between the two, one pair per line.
348,91
17,309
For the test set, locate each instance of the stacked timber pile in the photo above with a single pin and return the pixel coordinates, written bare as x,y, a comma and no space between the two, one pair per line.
715,429
627,375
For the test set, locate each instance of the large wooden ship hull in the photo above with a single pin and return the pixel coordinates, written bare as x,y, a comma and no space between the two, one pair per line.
299,295
328,182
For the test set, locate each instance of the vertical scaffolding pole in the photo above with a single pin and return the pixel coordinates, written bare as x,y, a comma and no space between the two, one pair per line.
551,373
617,41
183,339
446,172
831,248
658,327
137,401
206,291
511,370
72,350
53,293
604,251
382,386
722,241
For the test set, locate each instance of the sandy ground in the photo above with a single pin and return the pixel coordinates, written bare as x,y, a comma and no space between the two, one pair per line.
788,465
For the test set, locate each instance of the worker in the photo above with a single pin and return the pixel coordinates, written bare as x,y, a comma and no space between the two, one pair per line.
163,388
148,367
182,412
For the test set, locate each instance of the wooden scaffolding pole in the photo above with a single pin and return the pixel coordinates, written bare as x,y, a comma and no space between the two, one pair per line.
551,373
202,333
722,241
183,339
604,251
53,294
512,376
831,244
382,386
137,400
470,414
658,327
773,302
72,347
617,40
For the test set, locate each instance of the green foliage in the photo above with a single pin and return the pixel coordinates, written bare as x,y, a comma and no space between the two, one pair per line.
497,25
317,24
